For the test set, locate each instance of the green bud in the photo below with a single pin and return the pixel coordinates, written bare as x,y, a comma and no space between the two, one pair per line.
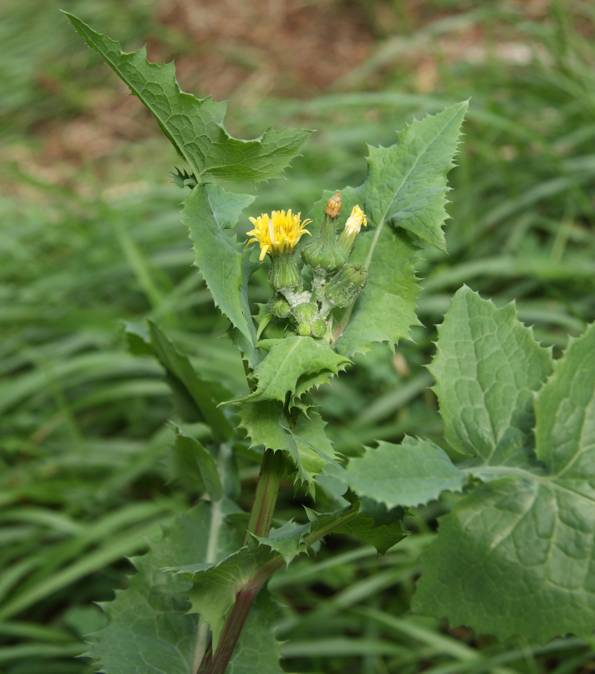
305,313
322,251
284,271
345,285
318,328
321,254
303,329
280,308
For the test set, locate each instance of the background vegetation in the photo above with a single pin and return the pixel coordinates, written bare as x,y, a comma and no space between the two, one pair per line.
91,238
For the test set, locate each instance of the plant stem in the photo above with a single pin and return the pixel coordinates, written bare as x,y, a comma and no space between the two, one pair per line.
267,491
261,516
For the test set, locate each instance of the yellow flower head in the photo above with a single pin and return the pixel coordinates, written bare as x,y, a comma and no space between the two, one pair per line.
355,221
278,232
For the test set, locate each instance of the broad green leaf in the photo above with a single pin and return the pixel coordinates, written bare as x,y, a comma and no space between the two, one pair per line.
149,621
199,463
409,474
303,438
385,310
406,187
517,555
487,368
195,125
218,256
192,391
407,181
565,410
292,360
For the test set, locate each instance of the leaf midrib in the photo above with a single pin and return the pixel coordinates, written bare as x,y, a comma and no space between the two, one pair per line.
401,185
82,28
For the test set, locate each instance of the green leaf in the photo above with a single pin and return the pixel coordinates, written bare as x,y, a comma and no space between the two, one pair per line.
286,540
149,622
199,463
385,310
407,181
375,525
516,556
406,187
302,437
291,361
218,256
193,392
409,474
193,125
565,410
214,588
487,368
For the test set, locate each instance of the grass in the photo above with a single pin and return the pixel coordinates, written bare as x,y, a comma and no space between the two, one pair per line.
87,475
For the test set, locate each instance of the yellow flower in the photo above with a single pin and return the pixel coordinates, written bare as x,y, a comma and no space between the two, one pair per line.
355,221
278,232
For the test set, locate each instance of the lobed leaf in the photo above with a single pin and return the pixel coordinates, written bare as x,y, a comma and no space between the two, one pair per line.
194,125
149,622
218,256
407,181
517,555
302,437
410,474
291,361
487,368
406,188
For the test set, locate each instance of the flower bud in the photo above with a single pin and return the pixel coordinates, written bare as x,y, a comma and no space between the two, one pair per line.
305,313
354,223
333,206
345,285
303,329
318,328
280,308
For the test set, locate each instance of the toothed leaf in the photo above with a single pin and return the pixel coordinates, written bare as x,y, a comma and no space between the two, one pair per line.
487,368
149,621
409,474
194,125
292,360
406,187
516,556
385,309
565,411
218,256
302,437
407,181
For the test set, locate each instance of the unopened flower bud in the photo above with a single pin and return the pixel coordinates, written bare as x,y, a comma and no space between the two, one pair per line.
280,308
318,328
305,313
345,285
353,226
333,206
303,329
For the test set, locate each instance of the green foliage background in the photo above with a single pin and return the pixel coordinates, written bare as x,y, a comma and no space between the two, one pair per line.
89,242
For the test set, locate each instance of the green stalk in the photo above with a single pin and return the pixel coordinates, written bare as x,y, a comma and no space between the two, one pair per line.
261,516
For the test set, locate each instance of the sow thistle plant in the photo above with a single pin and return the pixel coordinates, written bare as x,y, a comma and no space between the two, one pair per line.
514,557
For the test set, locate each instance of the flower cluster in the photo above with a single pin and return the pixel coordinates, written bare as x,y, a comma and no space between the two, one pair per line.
306,294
